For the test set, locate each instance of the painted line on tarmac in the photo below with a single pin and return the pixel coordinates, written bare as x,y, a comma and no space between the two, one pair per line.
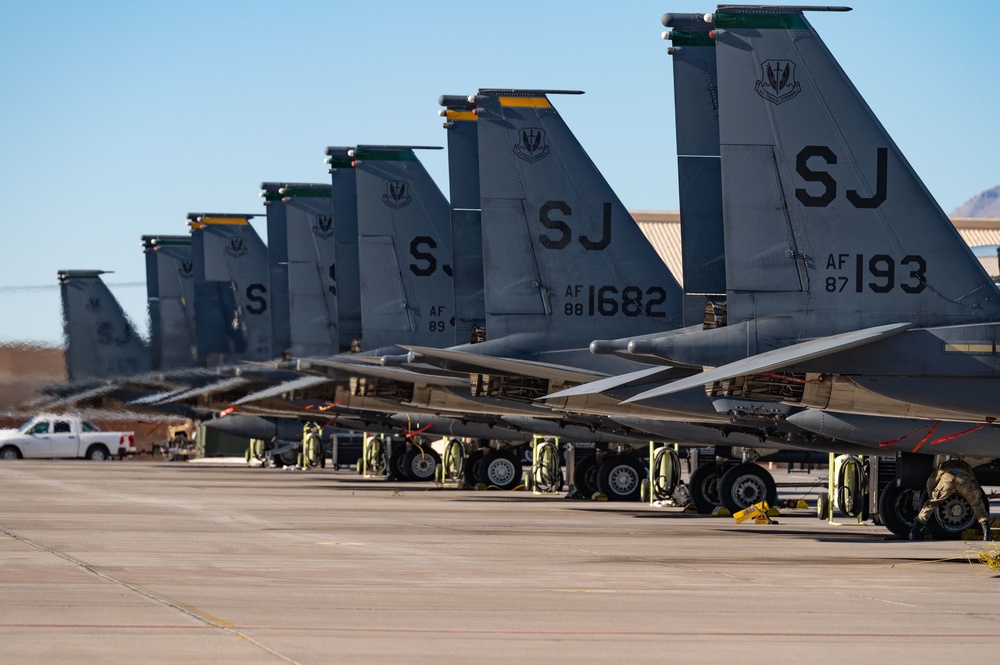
205,618
500,633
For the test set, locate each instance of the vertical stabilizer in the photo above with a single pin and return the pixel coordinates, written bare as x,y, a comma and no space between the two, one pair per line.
696,112
824,218
229,253
301,215
466,217
170,292
563,257
101,341
404,242
347,268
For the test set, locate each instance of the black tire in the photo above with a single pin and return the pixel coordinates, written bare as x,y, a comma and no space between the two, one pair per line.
289,457
704,486
954,516
619,477
98,453
501,469
746,484
585,476
9,453
823,506
397,464
898,508
470,469
420,466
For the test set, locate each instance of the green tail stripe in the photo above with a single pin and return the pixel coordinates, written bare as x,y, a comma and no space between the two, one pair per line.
385,155
761,21
690,38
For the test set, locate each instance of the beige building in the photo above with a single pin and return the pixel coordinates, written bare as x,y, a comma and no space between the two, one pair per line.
664,232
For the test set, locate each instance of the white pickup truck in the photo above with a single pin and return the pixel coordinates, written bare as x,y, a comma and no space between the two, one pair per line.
49,435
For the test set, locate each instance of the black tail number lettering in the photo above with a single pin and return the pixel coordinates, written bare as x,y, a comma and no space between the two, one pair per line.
417,253
829,193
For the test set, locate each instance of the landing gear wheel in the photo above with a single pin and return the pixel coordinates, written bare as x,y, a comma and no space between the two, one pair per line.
471,468
898,508
501,469
704,486
585,476
620,477
397,464
823,506
287,458
953,517
420,465
744,485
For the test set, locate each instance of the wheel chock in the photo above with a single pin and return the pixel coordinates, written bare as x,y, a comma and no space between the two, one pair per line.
690,509
721,511
480,487
760,513
773,512
599,496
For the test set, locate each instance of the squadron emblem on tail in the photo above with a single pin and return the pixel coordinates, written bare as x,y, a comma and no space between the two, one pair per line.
397,194
777,82
532,146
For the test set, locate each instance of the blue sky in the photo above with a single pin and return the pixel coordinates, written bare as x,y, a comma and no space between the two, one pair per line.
119,118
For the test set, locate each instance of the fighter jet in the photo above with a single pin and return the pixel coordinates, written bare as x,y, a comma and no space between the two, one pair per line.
848,287
101,342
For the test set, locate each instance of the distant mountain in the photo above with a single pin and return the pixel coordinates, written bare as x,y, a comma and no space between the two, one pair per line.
986,204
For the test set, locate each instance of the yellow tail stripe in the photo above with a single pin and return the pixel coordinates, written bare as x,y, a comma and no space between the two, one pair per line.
460,115
533,102
224,220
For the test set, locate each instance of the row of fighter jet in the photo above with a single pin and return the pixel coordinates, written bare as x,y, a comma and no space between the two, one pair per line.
828,304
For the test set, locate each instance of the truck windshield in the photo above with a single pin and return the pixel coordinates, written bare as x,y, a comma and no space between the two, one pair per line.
34,427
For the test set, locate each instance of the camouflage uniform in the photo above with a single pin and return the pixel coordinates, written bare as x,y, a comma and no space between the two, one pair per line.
953,477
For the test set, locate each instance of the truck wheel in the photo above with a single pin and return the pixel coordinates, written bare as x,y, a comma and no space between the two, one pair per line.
10,452
98,453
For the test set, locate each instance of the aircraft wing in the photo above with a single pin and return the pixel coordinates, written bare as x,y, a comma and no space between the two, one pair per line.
216,387
300,383
72,398
346,369
778,358
531,368
610,382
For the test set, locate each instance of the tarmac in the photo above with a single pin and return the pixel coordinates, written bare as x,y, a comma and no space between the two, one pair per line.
143,562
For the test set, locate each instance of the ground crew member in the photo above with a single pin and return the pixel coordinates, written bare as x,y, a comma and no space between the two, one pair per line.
952,477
